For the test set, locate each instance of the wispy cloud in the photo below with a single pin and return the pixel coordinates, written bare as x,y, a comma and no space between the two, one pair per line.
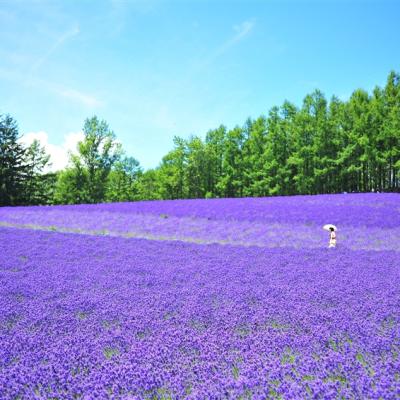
137,6
57,44
121,10
241,32
80,97
76,96
30,78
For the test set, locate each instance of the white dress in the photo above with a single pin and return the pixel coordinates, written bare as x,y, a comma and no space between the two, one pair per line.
332,240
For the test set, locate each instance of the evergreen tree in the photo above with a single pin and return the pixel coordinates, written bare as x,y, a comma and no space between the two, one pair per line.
231,182
391,132
279,171
253,158
378,163
13,170
335,131
215,150
321,142
302,159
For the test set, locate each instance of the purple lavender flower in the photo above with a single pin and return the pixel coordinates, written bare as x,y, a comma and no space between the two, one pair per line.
101,316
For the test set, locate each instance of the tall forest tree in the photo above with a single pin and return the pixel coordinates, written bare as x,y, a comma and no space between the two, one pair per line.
391,131
13,169
38,186
278,172
85,180
231,182
197,168
149,185
172,173
253,157
215,149
122,181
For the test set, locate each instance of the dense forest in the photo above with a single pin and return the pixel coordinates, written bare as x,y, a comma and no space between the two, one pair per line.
322,147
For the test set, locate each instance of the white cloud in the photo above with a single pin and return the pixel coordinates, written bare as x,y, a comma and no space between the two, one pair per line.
80,97
76,96
59,42
30,78
242,30
59,156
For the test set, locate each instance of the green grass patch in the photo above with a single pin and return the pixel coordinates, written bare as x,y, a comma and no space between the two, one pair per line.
82,315
278,326
110,352
243,330
247,395
288,357
336,378
198,325
235,372
143,334
158,394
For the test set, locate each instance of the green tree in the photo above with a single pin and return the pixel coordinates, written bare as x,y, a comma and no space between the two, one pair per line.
98,152
197,168
172,171
378,163
391,131
85,179
72,184
149,185
123,180
279,173
335,129
352,160
215,150
301,160
37,188
231,182
13,169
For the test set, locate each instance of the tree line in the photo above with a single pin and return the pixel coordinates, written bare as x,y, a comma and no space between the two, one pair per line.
321,147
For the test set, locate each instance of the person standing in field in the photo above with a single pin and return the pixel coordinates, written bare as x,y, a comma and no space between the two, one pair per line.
332,237
332,234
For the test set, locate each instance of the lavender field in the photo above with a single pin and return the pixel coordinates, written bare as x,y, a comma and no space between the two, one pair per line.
202,299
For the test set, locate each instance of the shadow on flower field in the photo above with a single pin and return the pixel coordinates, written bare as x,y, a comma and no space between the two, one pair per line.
102,316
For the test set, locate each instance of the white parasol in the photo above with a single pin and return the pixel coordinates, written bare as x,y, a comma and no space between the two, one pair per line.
328,227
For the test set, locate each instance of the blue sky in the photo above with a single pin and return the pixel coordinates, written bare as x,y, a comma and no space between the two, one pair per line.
154,69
